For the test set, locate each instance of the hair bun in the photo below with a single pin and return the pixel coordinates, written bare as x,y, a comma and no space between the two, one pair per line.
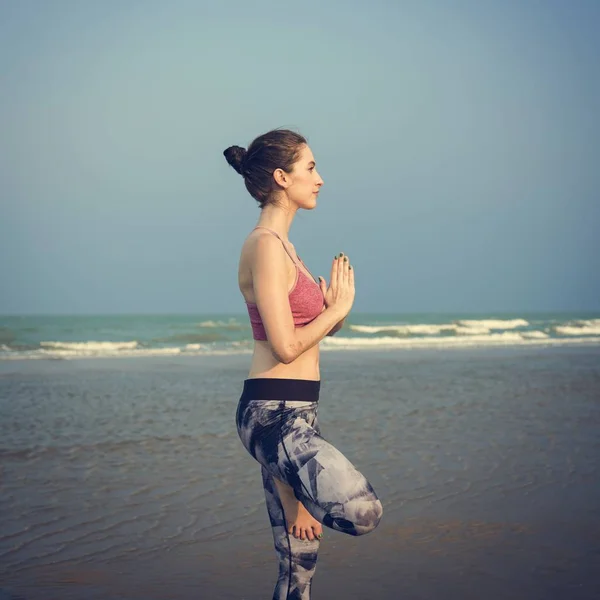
235,156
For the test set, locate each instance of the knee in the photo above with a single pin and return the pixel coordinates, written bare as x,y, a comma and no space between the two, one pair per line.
369,517
363,516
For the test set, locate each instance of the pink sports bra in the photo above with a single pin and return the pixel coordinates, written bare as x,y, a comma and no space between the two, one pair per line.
306,298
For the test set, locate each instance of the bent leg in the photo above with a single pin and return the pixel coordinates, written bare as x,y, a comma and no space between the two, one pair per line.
326,482
297,558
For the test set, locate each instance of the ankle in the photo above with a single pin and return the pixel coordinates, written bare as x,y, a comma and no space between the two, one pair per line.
284,489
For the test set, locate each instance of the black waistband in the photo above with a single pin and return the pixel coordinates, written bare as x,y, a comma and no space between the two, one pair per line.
267,388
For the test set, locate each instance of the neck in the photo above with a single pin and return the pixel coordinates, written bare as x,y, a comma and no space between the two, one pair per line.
278,218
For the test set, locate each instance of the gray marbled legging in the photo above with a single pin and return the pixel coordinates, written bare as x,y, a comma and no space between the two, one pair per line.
281,432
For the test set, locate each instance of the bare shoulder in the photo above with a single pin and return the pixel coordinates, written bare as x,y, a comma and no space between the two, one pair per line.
249,246
260,247
261,256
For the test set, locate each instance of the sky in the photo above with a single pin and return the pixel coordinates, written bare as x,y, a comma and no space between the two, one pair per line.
459,144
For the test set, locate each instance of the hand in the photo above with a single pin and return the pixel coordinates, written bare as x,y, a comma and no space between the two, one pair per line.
340,293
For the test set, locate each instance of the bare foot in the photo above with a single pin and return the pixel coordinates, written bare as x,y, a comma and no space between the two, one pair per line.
300,523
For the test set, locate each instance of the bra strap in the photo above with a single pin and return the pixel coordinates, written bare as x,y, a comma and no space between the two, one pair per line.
279,238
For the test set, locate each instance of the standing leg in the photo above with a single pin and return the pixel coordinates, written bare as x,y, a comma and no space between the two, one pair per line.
297,558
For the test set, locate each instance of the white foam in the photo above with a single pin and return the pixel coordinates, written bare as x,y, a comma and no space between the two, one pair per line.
90,346
69,354
493,339
424,341
464,327
92,349
211,324
374,328
539,335
471,330
590,322
494,323
231,323
578,330
422,329
86,353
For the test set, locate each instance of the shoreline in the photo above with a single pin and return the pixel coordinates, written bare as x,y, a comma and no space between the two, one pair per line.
333,355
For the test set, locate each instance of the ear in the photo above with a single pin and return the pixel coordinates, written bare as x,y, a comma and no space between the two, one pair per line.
282,179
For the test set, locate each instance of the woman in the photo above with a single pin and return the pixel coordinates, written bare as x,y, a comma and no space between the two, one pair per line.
308,482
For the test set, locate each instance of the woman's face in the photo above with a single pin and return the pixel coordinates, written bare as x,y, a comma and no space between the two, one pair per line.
305,180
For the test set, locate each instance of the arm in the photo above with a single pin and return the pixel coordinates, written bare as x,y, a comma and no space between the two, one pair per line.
269,279
337,327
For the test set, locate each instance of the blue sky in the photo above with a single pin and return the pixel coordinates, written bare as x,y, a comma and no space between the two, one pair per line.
459,143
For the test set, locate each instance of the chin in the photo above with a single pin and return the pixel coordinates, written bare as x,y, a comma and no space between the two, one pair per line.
307,203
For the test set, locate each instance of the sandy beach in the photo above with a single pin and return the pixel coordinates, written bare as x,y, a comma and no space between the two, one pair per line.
124,478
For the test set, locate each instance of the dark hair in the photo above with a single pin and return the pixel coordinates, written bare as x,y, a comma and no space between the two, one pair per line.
277,149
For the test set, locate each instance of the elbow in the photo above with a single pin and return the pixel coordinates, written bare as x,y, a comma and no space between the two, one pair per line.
286,360
284,356
285,353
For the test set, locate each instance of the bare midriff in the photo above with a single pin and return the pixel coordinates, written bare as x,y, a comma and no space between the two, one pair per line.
264,364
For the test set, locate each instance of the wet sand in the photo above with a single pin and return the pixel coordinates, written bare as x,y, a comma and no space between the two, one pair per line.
125,478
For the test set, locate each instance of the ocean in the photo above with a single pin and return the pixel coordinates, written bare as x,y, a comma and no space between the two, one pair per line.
68,337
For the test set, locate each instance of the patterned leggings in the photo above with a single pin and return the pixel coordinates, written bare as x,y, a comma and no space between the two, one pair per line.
277,423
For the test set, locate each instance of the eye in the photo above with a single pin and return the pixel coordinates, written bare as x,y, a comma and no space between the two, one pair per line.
311,169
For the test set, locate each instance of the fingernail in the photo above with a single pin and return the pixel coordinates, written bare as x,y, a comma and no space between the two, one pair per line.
345,258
